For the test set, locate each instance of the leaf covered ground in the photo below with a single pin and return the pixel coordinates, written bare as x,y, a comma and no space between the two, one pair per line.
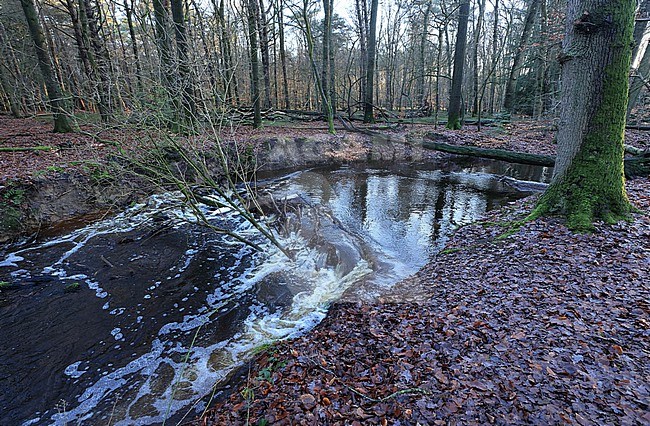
541,327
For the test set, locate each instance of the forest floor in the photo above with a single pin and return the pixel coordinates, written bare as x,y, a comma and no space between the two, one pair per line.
539,326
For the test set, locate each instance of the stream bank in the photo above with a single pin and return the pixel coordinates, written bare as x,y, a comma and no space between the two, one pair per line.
542,327
60,197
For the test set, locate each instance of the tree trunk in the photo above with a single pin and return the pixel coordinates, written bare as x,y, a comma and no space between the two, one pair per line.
317,79
640,56
255,68
455,97
264,50
511,86
184,84
368,109
332,68
639,79
230,81
14,106
325,65
477,41
128,10
361,11
421,71
54,92
99,58
9,87
588,181
283,56
495,59
542,72
163,43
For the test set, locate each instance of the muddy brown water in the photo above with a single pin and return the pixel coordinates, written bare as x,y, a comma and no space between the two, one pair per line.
140,317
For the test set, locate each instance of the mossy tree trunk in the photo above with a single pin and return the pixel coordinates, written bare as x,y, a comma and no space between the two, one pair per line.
455,96
54,91
588,181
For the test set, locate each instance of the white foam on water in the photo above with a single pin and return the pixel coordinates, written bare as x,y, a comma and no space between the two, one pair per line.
11,260
73,371
314,284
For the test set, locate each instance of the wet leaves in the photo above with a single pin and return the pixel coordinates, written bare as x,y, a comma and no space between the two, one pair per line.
542,327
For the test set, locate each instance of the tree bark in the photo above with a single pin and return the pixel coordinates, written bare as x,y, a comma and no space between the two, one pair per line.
54,92
640,56
14,106
588,181
455,97
326,42
361,12
283,56
255,68
542,60
184,83
164,43
477,41
99,57
264,50
495,59
511,86
368,107
128,10
421,71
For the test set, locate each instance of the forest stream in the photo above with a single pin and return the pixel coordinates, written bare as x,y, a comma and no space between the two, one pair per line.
142,316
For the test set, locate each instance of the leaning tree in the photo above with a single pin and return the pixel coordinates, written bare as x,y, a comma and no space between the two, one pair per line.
588,181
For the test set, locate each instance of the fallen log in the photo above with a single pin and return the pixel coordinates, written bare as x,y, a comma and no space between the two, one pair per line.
494,154
24,148
644,128
634,166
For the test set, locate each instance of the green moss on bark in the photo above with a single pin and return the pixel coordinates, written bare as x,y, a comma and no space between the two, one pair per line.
454,122
593,187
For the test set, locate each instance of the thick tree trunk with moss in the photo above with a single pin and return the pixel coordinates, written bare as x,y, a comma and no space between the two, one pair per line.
54,92
588,181
455,97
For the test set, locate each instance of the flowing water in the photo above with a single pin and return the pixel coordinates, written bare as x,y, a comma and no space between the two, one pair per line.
140,317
